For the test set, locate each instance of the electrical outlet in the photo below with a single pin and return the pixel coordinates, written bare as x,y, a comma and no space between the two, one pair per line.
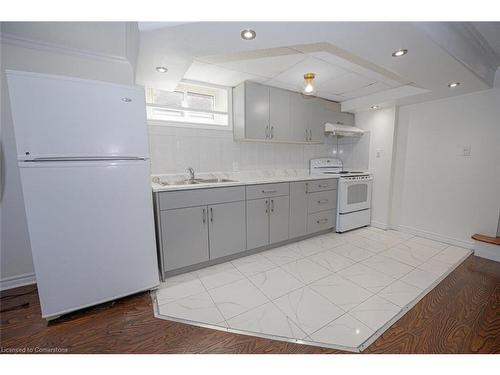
466,150
378,153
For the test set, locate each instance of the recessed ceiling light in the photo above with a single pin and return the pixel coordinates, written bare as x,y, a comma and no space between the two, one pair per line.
399,53
248,34
374,107
452,85
161,69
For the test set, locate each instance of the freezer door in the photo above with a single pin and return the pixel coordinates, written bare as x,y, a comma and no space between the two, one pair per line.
58,116
91,231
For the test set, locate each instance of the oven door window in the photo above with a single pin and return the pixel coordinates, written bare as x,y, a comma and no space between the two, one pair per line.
357,193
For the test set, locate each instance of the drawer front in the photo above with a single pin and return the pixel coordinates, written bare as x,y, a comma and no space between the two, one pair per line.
199,197
321,201
267,190
322,185
320,221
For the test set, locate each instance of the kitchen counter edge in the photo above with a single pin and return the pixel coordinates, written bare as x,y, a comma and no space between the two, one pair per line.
159,188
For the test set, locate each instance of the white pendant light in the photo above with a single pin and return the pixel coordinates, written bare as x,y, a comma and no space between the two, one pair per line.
309,88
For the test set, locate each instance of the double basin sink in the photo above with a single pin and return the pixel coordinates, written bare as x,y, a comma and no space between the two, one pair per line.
197,181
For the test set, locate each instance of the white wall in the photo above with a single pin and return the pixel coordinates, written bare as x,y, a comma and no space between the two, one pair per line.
173,149
438,192
107,63
380,124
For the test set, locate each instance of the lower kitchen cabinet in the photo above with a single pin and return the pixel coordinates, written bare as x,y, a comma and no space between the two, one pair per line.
184,237
298,209
226,229
257,223
199,225
267,221
279,212
320,221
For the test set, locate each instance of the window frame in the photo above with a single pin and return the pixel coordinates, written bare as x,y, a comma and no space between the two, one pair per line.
196,125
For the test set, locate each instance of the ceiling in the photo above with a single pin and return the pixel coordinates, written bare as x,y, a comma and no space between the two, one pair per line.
490,31
352,60
336,78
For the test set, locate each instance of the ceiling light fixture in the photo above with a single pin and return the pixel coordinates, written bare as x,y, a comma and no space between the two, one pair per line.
374,107
161,69
308,88
452,85
248,34
399,53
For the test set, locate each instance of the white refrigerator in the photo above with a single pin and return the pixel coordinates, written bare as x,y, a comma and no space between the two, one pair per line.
84,163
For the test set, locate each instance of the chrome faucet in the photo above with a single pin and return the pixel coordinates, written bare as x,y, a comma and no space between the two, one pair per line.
191,173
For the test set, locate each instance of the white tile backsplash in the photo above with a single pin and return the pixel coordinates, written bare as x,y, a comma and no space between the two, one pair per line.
173,149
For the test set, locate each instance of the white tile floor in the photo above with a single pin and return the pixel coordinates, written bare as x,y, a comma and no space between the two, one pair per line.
334,290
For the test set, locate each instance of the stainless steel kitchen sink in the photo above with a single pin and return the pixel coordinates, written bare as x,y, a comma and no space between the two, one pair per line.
181,182
213,180
197,181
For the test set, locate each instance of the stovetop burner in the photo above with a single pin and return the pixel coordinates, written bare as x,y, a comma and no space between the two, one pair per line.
330,166
341,172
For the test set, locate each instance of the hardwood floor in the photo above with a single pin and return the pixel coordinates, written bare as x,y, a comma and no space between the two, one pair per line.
461,315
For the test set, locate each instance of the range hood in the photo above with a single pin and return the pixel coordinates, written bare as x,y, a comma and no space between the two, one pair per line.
343,130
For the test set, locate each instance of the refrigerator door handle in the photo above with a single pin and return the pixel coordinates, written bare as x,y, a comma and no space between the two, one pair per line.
84,158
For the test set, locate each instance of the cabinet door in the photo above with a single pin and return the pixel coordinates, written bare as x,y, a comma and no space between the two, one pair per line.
184,237
227,233
279,114
257,223
279,213
298,209
256,111
316,114
299,123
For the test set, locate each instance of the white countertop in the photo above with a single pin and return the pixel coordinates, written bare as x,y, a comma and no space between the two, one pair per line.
239,178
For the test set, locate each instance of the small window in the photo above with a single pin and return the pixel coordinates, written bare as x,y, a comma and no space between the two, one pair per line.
190,105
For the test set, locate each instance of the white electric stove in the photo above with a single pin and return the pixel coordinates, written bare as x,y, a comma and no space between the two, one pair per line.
354,192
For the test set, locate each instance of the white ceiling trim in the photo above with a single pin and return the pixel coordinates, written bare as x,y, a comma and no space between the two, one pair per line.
381,99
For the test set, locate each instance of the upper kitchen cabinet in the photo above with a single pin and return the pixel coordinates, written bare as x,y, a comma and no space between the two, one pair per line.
251,110
299,118
279,114
261,112
270,114
316,118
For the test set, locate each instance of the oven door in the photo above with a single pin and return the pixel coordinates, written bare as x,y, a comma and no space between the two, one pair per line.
354,195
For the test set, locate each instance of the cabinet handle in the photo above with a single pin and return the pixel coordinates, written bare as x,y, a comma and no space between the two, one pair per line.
307,187
272,132
321,201
203,215
323,185
267,206
307,135
272,205
322,221
211,215
310,134
267,131
268,191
